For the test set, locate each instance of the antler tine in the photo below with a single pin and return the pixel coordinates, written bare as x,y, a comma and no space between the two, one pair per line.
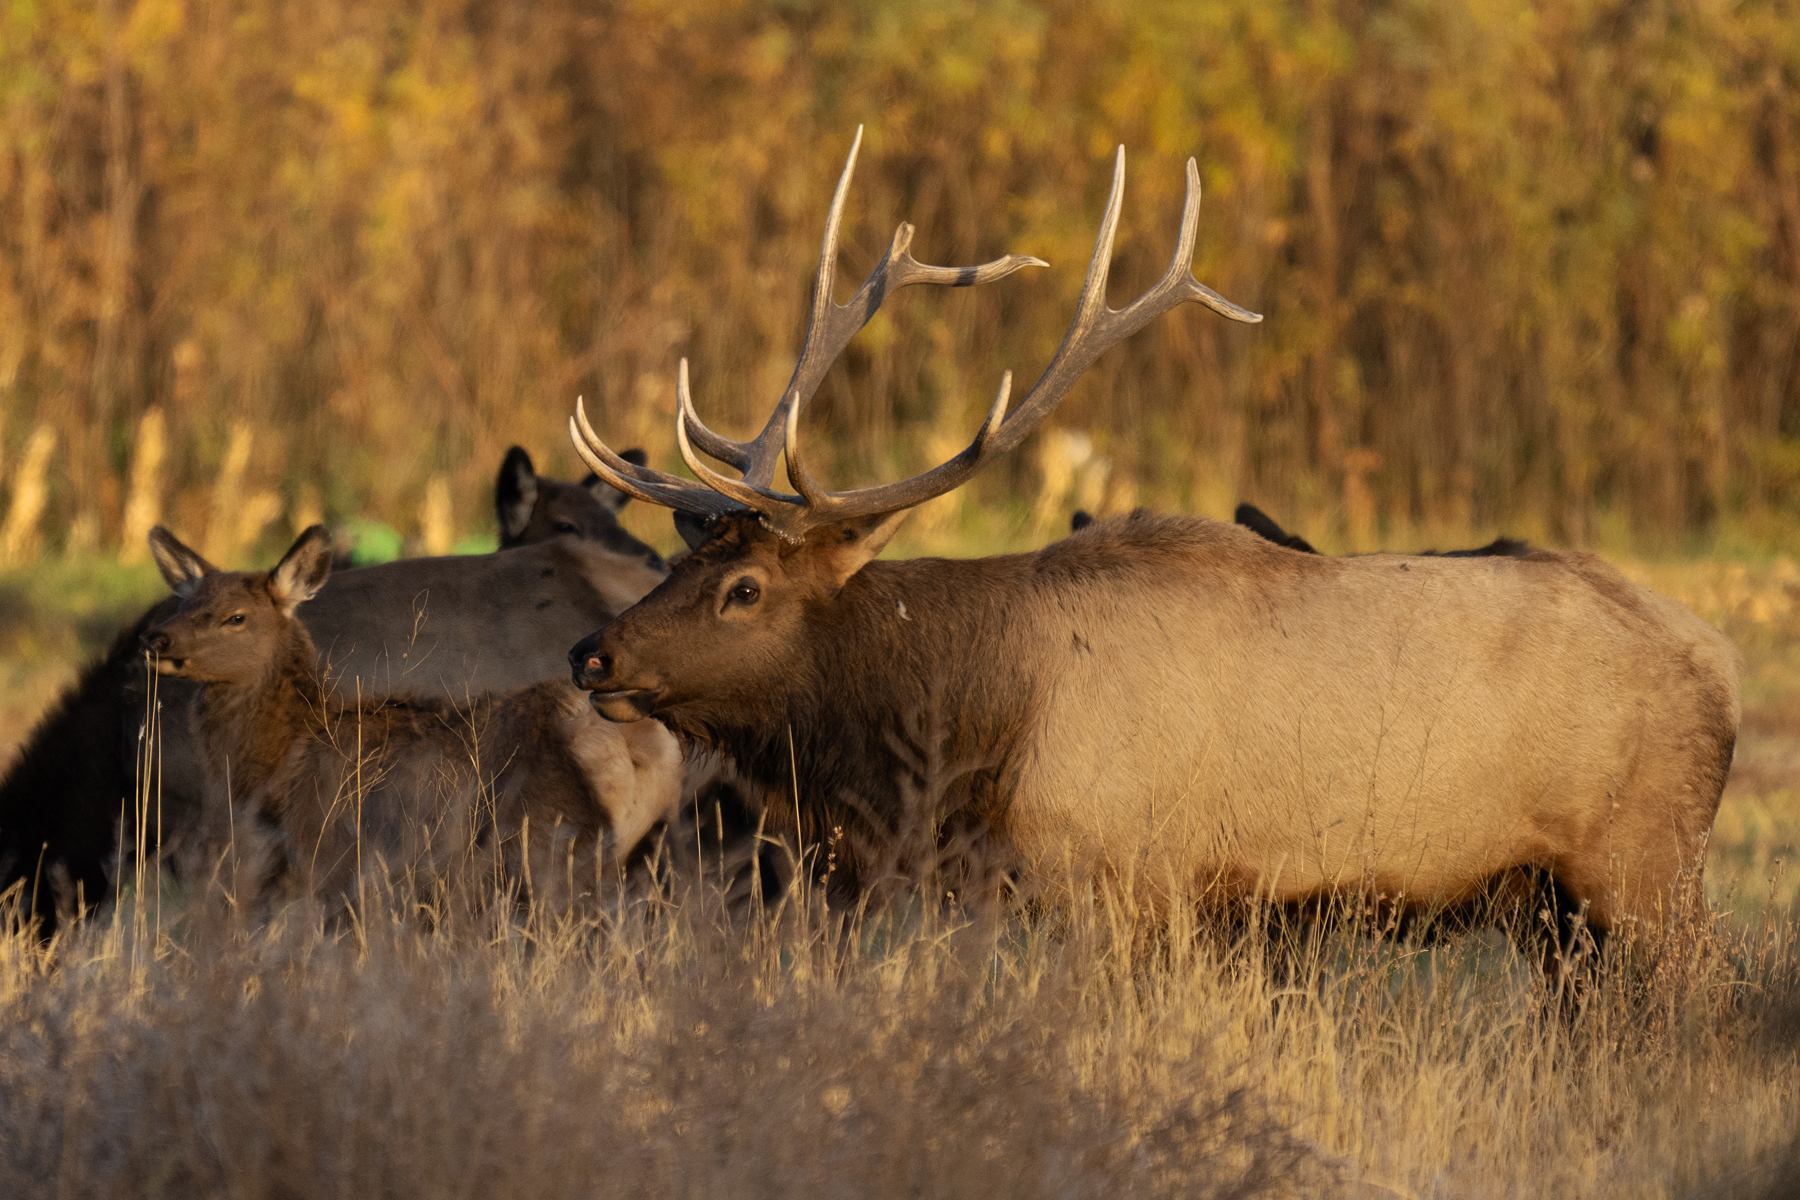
814,496
689,499
640,483
832,325
745,493
615,464
1097,328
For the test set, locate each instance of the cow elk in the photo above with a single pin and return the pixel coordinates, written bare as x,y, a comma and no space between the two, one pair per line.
1168,700
531,508
334,790
452,626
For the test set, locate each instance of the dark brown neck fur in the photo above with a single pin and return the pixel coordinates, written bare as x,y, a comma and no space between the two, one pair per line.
248,728
892,727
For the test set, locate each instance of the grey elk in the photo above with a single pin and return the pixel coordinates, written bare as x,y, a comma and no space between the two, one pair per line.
528,786
1170,701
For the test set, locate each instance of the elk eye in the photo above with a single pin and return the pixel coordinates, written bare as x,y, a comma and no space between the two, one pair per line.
744,592
565,527
235,619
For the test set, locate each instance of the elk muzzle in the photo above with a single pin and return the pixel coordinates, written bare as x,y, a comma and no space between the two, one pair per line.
155,642
595,670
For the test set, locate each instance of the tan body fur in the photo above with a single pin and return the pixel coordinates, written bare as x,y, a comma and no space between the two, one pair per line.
1410,726
464,624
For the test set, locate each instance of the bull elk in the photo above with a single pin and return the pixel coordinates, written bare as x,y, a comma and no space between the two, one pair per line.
418,786
1170,698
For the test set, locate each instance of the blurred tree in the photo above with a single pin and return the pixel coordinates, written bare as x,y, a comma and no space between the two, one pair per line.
1524,261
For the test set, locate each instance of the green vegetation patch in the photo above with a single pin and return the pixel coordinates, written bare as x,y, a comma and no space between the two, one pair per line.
66,610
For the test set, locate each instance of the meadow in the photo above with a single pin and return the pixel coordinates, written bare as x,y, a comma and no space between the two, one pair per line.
1529,267
680,1046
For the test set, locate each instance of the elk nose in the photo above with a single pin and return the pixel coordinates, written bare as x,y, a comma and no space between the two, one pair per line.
587,664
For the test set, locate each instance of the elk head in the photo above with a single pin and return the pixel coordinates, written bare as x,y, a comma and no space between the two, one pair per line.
729,623
230,623
532,508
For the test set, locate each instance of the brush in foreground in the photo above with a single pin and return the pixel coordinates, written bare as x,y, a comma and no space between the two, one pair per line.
900,1051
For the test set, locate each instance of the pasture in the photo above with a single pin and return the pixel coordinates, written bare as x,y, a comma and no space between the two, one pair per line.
681,1047
1528,267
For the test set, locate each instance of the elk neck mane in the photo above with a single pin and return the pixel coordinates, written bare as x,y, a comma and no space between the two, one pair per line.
928,676
254,724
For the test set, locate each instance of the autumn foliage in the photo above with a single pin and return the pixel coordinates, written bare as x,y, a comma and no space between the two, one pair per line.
1524,263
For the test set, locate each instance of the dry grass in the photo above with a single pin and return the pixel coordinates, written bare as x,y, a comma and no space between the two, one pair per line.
677,1049
682,1048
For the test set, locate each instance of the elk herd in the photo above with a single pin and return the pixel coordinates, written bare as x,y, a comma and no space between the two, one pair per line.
1188,708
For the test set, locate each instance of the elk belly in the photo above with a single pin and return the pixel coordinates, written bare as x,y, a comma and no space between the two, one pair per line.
1404,732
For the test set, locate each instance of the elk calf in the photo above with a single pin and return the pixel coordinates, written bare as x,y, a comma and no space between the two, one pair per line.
427,792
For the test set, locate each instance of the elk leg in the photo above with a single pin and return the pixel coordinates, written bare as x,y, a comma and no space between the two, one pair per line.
1645,899
1572,940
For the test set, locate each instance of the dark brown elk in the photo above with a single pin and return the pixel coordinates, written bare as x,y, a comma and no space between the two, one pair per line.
419,789
453,626
1167,699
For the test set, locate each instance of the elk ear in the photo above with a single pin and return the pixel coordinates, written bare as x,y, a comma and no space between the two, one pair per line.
694,529
610,497
850,545
515,494
1262,525
182,567
302,571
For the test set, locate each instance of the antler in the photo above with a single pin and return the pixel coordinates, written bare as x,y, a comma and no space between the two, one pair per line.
832,325
828,331
1094,329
